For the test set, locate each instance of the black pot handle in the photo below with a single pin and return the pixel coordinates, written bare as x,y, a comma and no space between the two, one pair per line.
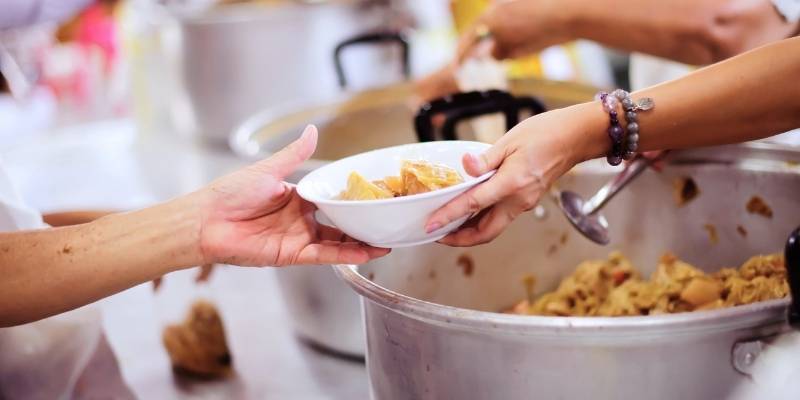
461,106
792,256
511,111
371,37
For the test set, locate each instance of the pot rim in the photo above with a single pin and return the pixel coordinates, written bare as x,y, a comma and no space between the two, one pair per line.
591,328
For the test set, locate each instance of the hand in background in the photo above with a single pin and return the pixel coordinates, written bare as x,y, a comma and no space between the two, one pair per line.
252,217
515,28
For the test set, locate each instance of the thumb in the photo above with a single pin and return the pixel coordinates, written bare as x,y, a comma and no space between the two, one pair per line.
477,165
283,163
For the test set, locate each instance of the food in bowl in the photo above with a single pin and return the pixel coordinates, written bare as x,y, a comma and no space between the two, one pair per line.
614,287
399,221
416,176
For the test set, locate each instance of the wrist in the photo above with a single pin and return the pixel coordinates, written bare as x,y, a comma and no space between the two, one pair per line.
186,215
588,138
174,232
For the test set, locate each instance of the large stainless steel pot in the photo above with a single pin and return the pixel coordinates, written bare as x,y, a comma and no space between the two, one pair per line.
238,59
433,331
324,310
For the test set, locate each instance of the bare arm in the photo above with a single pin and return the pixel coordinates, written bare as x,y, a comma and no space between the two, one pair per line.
750,96
50,271
689,31
250,217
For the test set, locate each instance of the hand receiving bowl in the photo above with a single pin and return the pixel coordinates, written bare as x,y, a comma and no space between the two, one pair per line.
394,222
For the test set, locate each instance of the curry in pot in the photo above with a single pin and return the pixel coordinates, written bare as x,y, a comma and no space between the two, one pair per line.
614,287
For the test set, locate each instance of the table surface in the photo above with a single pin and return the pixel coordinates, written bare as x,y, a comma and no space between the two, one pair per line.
108,165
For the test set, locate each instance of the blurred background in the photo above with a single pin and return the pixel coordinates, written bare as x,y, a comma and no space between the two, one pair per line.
196,68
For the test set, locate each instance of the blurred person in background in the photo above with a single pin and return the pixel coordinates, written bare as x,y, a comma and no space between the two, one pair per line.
681,31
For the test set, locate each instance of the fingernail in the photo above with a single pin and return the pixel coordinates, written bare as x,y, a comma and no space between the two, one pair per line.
433,227
478,161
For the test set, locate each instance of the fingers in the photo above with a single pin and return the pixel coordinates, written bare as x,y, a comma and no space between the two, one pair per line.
283,163
488,227
477,165
329,252
472,201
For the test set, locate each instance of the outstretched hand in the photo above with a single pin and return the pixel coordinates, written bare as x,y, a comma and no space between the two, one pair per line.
253,218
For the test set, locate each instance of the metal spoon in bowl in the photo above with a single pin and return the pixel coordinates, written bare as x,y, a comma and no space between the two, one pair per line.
585,215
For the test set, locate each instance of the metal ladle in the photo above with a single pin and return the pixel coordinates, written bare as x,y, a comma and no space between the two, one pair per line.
585,215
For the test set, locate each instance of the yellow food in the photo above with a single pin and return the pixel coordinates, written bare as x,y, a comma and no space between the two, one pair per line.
358,188
415,177
613,287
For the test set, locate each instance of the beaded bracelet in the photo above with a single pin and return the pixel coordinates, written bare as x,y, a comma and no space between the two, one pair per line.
626,150
615,131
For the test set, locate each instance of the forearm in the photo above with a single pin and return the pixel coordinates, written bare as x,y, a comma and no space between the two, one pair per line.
751,96
690,31
50,271
66,218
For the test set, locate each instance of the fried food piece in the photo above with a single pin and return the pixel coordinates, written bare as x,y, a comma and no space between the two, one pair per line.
395,185
415,177
358,188
198,346
701,291
421,176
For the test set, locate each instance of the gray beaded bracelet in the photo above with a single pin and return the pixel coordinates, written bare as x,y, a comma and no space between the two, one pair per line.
632,120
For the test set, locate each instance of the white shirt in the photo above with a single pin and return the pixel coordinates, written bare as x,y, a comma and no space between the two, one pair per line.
44,359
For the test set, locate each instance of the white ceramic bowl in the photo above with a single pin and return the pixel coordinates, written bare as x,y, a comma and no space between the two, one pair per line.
389,223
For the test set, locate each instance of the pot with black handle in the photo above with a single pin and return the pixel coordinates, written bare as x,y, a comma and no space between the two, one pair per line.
435,331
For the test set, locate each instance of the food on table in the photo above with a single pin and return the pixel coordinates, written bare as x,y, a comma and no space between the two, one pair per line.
416,177
197,346
613,287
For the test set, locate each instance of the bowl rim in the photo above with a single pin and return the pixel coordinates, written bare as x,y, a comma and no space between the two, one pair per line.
589,329
309,195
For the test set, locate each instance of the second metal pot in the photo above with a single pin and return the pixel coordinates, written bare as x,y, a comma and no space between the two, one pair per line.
238,59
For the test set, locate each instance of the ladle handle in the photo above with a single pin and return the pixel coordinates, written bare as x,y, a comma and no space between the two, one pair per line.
371,37
609,190
792,259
